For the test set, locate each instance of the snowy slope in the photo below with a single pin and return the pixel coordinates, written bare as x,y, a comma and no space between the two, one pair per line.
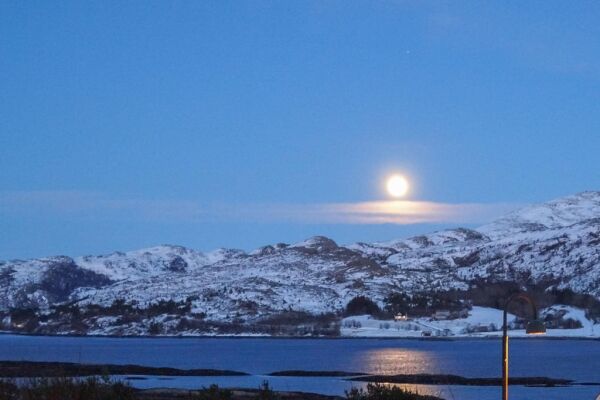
146,262
559,213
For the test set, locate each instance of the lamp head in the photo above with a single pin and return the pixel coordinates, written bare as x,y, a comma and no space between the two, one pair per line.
535,327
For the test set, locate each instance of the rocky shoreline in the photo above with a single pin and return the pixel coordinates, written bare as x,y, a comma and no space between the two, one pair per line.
34,369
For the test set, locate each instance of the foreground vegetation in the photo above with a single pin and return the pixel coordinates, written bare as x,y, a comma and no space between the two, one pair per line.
103,388
92,388
377,391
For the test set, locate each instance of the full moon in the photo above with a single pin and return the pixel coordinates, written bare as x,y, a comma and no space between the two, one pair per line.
397,185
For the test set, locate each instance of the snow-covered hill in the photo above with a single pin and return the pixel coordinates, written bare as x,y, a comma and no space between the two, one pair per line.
555,244
559,213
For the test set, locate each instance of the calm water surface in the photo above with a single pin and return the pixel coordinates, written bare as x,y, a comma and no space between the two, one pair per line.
572,359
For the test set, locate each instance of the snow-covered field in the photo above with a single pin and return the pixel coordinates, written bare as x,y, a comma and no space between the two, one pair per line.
481,322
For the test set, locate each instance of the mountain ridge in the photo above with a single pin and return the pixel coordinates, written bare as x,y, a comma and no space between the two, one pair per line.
554,244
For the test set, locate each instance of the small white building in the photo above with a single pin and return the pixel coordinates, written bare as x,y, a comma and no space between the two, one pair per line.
441,315
400,317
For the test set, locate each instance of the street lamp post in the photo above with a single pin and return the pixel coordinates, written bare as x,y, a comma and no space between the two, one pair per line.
534,327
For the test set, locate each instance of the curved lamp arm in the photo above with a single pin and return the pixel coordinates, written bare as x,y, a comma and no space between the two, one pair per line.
519,296
533,327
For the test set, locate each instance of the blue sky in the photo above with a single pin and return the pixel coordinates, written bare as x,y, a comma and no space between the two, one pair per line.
130,124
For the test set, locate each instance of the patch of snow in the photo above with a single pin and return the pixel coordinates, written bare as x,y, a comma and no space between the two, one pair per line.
479,318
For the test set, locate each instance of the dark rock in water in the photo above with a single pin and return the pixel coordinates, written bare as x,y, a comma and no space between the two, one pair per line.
427,379
315,373
33,369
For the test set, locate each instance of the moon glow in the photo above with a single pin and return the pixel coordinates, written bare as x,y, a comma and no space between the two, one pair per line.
397,186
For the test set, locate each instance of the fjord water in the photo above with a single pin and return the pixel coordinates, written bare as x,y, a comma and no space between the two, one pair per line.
578,360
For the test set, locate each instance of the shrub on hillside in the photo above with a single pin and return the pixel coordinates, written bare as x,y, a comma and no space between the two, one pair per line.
155,328
423,304
361,305
299,323
24,319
